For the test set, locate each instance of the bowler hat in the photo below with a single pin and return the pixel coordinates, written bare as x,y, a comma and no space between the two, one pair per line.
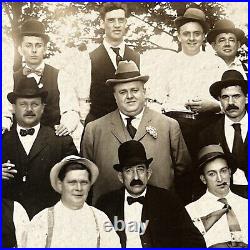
54,172
27,87
131,153
192,15
229,78
34,28
209,153
127,72
225,26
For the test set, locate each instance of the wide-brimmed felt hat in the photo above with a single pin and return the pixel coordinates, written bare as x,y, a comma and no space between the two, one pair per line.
229,78
225,26
72,159
27,88
127,72
131,153
33,28
209,153
192,15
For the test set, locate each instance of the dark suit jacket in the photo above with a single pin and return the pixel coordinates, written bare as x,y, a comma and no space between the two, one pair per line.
169,223
51,115
36,193
102,69
215,134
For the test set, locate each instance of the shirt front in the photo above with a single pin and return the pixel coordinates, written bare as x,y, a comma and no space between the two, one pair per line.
40,68
111,53
219,232
132,218
135,122
28,140
239,177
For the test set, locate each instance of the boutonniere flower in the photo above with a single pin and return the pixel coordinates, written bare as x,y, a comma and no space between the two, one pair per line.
152,131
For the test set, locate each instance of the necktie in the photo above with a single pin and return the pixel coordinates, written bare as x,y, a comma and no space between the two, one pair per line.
210,219
238,144
132,200
27,71
233,223
118,56
24,132
131,129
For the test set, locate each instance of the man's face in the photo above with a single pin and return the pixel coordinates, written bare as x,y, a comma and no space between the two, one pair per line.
191,37
74,188
114,24
226,46
28,111
216,175
233,102
130,97
33,50
135,178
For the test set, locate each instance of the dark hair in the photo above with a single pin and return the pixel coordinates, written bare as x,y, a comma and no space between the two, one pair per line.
109,6
43,99
72,166
20,39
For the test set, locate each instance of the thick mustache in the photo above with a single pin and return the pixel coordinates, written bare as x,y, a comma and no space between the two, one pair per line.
29,114
230,107
136,182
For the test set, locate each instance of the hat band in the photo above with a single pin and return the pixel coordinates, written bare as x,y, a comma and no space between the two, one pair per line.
127,75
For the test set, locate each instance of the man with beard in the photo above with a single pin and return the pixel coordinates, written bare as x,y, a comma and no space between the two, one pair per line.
231,131
220,215
149,216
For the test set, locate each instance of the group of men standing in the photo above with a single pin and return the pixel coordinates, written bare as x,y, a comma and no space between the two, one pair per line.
127,144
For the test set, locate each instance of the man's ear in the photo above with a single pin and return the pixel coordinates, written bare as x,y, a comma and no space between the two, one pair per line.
120,177
202,178
246,98
20,50
213,45
102,24
59,185
149,171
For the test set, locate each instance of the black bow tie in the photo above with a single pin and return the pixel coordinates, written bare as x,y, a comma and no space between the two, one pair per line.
24,132
132,200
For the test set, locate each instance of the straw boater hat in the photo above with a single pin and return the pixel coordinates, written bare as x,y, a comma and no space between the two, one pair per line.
131,153
127,72
27,88
225,26
192,15
72,159
229,78
34,28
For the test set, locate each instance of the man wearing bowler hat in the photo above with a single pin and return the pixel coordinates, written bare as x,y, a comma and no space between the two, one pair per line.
231,130
226,40
29,150
160,135
157,216
72,222
220,215
59,110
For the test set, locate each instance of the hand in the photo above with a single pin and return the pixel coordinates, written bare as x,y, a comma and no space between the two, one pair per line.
61,130
199,106
8,171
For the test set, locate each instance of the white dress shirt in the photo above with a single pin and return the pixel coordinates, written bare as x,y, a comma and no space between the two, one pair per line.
40,68
135,122
239,177
28,140
132,214
111,53
219,232
72,229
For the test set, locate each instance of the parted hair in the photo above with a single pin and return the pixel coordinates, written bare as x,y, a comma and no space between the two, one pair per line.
109,6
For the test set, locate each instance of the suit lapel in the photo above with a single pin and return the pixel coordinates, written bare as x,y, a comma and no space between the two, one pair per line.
105,57
221,136
39,143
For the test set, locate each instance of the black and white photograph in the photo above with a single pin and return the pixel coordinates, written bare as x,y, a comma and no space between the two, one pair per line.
124,124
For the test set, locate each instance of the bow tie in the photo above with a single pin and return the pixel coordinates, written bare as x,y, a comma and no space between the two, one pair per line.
27,71
132,200
24,132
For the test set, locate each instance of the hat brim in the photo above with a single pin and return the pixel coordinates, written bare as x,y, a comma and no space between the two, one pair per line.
209,157
112,82
215,88
119,167
180,21
211,36
12,96
43,36
74,159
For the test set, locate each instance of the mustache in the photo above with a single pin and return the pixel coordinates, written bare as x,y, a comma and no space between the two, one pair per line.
136,182
29,113
230,107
